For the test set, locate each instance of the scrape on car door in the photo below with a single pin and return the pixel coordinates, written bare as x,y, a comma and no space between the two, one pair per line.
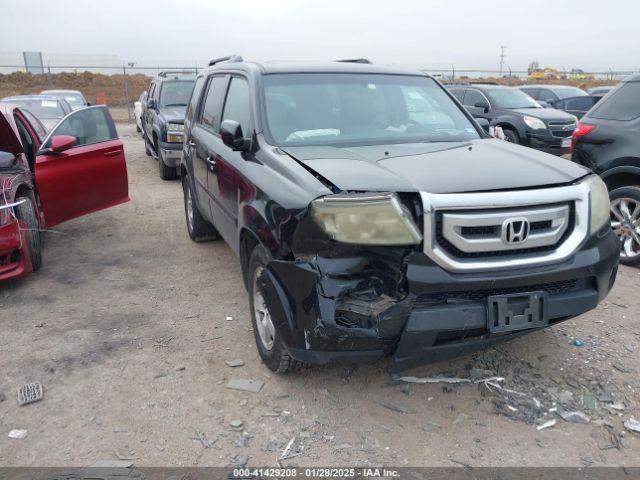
91,175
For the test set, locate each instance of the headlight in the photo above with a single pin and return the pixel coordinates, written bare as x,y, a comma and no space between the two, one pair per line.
599,203
534,123
378,219
175,127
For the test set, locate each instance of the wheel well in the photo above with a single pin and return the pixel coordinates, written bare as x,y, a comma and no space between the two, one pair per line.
248,241
24,191
624,179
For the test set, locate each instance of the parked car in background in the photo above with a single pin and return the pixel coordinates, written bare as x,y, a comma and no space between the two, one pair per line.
163,119
137,110
74,98
373,216
77,168
572,100
46,108
599,92
607,141
522,119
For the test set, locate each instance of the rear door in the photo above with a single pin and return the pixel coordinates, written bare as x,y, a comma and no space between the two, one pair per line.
90,176
205,135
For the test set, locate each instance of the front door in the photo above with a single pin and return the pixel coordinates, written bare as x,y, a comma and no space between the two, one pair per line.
89,176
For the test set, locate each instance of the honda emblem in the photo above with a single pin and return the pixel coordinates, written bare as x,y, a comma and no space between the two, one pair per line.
515,230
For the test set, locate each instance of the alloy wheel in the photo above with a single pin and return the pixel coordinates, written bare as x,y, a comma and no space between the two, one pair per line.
625,222
266,330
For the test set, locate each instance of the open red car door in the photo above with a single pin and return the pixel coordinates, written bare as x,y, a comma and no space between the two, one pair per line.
74,178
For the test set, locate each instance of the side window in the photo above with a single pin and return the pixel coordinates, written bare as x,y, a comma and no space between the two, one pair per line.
237,106
532,92
472,97
547,95
152,89
459,94
211,110
41,132
89,125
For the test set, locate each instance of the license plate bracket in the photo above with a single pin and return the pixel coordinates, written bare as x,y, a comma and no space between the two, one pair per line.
520,311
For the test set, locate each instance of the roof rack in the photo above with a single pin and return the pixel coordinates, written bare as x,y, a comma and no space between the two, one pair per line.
355,60
230,58
176,72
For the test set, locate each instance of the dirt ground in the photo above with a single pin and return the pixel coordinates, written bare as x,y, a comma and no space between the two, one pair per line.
129,323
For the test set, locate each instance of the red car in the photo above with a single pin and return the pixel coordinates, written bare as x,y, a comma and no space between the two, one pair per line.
45,179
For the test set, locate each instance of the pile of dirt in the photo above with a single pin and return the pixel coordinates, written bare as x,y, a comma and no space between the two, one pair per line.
90,84
515,81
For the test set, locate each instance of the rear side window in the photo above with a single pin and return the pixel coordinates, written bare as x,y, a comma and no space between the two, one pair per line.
623,103
211,109
237,106
195,95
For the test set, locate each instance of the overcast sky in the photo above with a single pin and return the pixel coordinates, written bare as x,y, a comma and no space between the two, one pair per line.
592,35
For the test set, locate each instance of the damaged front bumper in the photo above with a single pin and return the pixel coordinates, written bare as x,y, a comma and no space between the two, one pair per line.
15,256
362,307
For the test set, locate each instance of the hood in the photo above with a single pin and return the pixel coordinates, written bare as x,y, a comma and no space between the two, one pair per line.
479,165
174,113
545,114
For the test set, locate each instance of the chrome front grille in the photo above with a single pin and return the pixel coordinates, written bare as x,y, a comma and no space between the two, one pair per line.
562,129
486,231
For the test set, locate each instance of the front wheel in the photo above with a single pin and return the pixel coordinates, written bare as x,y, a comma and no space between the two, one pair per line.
511,136
270,346
166,172
26,212
625,222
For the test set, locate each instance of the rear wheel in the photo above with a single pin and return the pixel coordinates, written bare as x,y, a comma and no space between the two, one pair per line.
270,346
625,222
200,230
27,213
511,136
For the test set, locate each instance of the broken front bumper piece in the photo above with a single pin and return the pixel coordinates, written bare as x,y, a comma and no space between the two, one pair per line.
332,309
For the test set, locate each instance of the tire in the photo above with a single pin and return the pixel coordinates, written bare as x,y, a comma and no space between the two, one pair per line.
270,347
627,227
27,213
147,148
511,136
199,229
166,172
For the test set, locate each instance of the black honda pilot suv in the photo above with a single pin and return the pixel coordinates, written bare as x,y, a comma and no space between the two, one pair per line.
374,217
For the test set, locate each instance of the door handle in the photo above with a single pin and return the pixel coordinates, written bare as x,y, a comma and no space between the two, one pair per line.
192,143
211,161
112,153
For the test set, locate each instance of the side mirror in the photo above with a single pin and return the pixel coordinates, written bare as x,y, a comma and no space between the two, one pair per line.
88,104
7,160
232,136
151,103
483,105
484,123
60,143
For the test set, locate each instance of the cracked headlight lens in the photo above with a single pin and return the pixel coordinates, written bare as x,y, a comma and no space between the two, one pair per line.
599,203
377,219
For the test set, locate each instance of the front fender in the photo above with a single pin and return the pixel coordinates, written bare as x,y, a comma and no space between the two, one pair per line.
271,224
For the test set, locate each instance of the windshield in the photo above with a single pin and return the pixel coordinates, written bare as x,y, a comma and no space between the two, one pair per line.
361,109
73,99
509,98
41,108
568,92
176,93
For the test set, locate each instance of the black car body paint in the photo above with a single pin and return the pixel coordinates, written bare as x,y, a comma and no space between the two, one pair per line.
333,301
